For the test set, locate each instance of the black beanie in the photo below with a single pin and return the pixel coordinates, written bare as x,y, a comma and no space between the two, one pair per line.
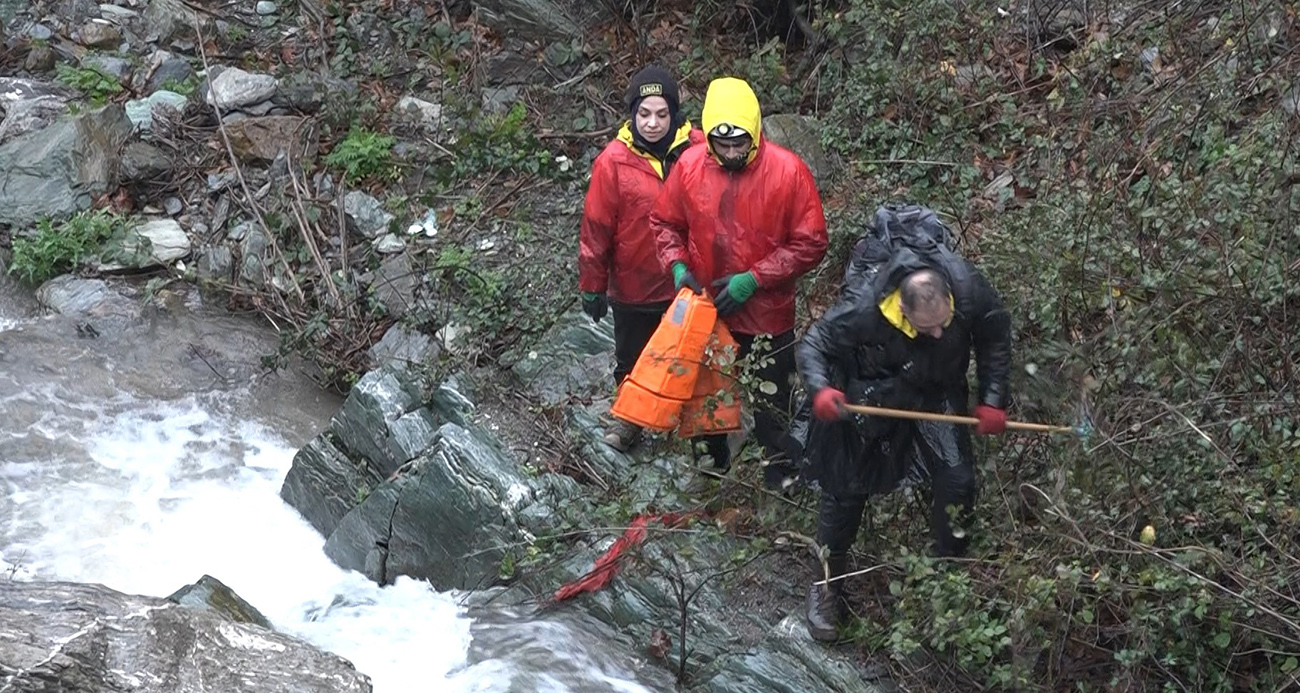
652,80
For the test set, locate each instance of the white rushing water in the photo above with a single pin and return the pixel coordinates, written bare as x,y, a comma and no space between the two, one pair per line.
146,495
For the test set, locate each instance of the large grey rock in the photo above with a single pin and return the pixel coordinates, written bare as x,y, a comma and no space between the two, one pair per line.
56,172
156,242
401,348
142,162
233,88
72,295
170,72
29,105
448,519
573,359
211,594
801,135
108,65
98,34
426,114
216,263
366,214
168,20
394,285
140,111
323,485
787,661
71,637
548,20
367,425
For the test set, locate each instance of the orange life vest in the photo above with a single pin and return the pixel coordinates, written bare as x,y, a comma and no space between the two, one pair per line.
684,378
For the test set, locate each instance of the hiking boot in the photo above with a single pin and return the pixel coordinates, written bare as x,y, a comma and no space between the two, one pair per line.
780,476
827,611
622,435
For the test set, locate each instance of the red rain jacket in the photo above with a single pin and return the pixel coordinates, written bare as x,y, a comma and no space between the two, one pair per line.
766,219
616,249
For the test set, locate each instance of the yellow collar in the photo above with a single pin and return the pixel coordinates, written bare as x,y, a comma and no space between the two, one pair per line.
681,137
891,306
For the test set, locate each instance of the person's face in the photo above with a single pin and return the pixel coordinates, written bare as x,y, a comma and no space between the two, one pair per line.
930,320
732,151
653,118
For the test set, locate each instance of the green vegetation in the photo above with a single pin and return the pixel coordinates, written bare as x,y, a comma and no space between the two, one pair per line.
97,86
364,154
56,249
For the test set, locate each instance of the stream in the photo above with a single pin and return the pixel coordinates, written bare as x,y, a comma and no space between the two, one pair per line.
146,457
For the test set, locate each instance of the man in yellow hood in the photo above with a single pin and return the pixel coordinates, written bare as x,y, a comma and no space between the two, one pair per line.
742,217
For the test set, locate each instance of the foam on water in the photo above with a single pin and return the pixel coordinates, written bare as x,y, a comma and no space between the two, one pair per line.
173,491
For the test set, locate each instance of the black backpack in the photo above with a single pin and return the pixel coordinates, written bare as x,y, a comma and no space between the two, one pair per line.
894,227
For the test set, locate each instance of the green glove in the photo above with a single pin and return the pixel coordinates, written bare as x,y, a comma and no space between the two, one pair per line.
683,277
742,286
738,289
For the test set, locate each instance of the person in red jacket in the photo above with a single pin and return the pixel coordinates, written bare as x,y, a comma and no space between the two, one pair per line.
618,269
742,216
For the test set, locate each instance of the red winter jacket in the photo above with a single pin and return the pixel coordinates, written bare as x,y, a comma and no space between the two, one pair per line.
766,219
616,249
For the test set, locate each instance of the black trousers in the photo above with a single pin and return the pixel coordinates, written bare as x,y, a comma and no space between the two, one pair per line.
773,413
945,452
634,325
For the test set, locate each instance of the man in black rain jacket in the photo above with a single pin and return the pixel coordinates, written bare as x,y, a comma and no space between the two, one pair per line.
900,337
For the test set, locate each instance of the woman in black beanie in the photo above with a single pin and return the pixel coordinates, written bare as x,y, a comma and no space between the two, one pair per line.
618,265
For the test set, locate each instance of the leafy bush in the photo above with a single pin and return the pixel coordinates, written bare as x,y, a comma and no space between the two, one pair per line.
96,85
488,143
363,154
56,250
1138,210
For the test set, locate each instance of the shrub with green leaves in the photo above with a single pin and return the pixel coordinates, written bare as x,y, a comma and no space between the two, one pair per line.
500,142
1130,189
96,85
364,154
54,250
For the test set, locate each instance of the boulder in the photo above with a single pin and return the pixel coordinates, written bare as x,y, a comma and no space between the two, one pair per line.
57,171
448,519
573,359
99,34
57,636
546,20
401,348
109,66
140,111
168,20
156,242
70,295
801,135
143,162
426,114
384,421
234,88
366,215
169,73
324,485
211,594
29,105
394,285
263,138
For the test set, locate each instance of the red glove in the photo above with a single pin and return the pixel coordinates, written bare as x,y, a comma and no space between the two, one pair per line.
992,420
827,404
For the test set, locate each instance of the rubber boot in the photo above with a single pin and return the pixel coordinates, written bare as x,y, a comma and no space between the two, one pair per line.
827,609
622,435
